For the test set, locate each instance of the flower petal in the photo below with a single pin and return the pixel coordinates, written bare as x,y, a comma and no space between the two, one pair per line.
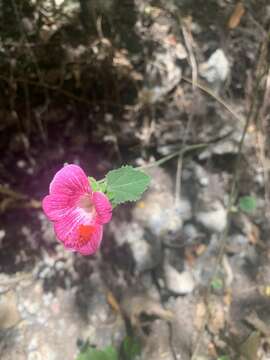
91,246
78,213
103,207
70,180
66,229
56,206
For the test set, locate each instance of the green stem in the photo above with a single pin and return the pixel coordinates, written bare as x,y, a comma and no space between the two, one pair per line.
172,155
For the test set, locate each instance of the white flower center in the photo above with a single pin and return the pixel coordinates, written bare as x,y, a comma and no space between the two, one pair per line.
86,204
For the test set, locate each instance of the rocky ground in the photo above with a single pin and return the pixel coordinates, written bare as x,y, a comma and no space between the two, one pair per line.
183,270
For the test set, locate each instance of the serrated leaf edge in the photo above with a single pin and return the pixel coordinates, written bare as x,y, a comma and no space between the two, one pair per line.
137,197
127,167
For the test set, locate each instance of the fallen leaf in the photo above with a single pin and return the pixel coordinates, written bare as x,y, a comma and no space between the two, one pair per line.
254,235
189,256
227,298
249,349
236,15
266,291
200,249
199,315
217,317
212,350
113,302
259,325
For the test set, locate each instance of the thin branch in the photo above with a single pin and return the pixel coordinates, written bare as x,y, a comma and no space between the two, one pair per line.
174,154
214,96
60,91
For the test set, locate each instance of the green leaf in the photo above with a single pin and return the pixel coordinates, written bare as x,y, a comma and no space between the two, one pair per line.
102,186
249,349
93,183
110,196
217,284
126,184
90,353
98,185
131,348
247,203
224,357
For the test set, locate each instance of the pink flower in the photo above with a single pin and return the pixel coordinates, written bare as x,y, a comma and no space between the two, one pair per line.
77,212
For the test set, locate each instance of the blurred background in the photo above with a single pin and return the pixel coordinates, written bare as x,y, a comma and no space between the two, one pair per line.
181,87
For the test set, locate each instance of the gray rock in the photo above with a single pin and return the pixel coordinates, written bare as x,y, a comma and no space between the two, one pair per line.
184,331
163,74
216,69
183,209
205,263
2,234
158,343
142,253
9,314
190,231
146,249
158,211
33,344
243,223
46,229
201,175
102,326
44,352
40,321
179,283
237,243
214,218
34,355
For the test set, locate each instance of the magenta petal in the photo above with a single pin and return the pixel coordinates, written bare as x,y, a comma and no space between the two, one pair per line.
57,205
94,242
70,180
103,207
66,229
78,213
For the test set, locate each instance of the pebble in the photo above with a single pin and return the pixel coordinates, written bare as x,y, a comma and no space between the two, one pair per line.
216,69
60,265
45,273
9,313
215,219
204,181
47,298
190,231
21,164
179,283
33,344
159,214
2,234
205,264
34,355
183,209
30,171
144,247
142,254
158,210
201,176
238,241
31,307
